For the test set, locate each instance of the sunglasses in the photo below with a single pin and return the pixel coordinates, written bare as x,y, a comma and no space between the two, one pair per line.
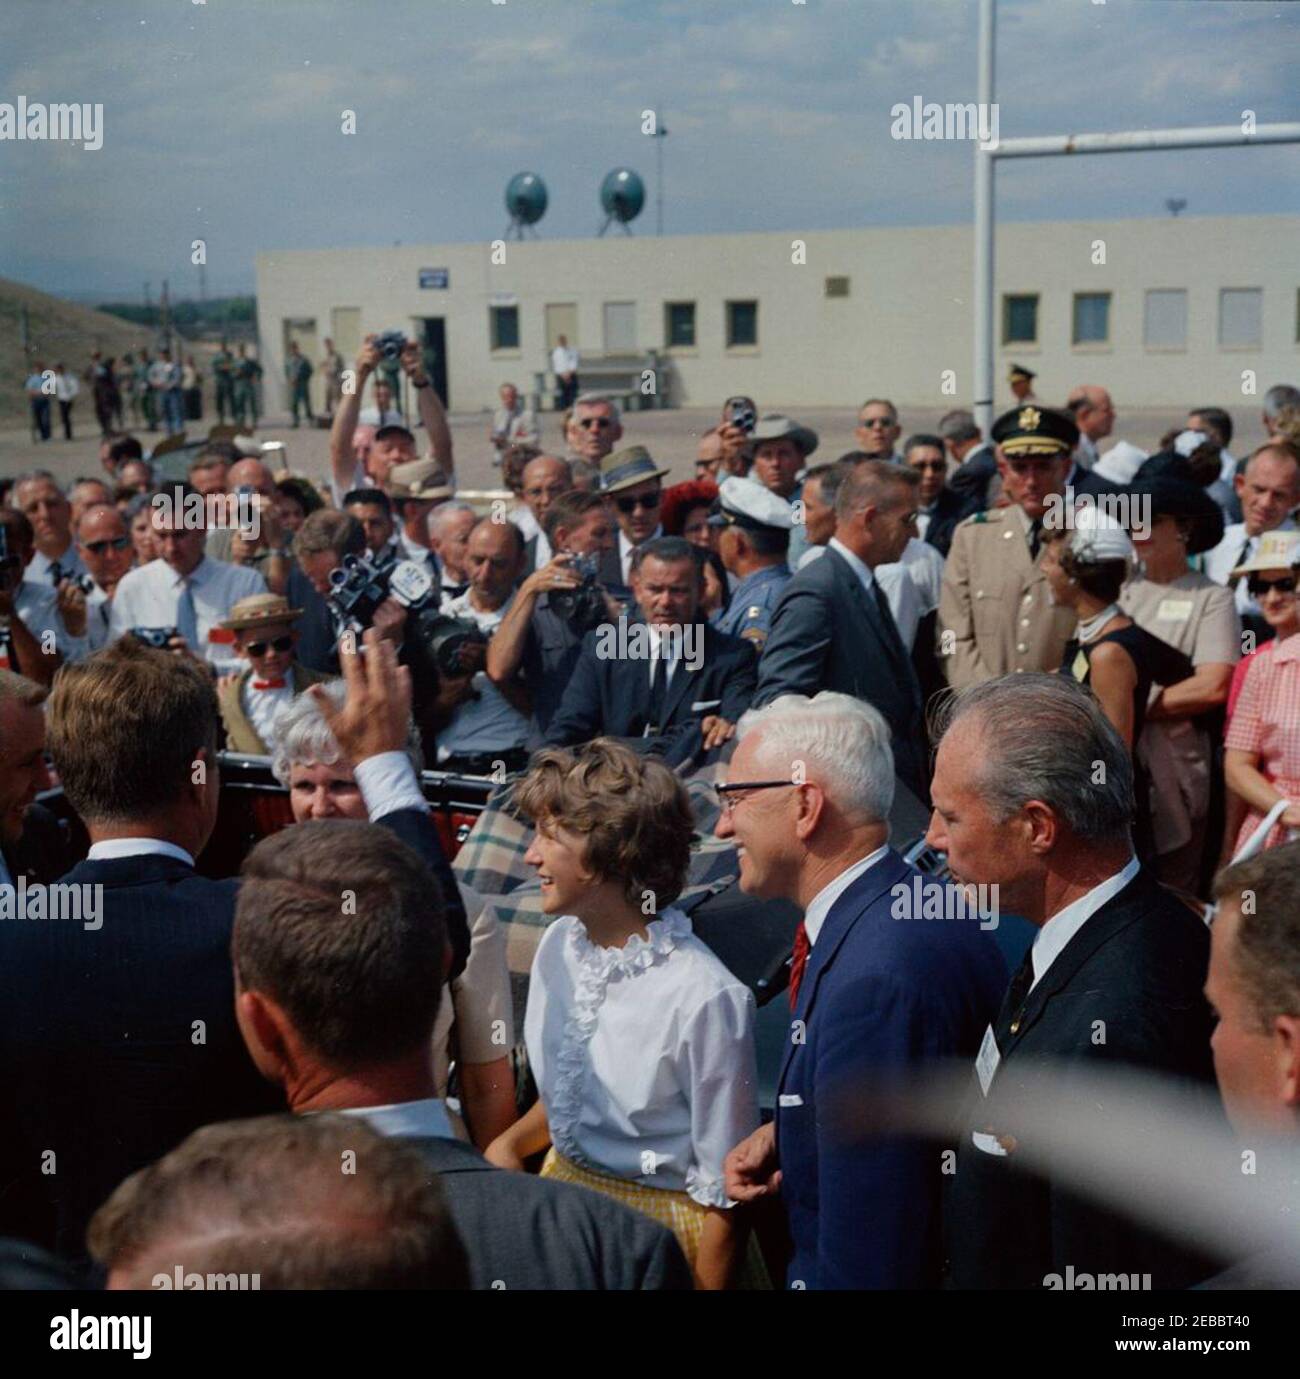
878,421
647,502
595,423
261,648
116,543
1258,585
936,465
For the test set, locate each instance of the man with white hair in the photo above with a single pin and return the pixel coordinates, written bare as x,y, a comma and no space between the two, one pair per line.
890,971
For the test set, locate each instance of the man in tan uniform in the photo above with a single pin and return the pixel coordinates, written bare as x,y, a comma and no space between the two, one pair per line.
995,612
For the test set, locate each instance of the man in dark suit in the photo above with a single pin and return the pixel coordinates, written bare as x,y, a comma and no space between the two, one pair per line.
117,1033
1033,794
633,484
662,675
890,972
338,1008
975,480
938,509
833,628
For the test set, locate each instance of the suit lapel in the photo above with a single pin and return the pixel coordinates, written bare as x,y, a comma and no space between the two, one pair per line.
844,914
684,677
1098,929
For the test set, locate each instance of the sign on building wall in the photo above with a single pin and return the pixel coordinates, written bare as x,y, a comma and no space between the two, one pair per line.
435,277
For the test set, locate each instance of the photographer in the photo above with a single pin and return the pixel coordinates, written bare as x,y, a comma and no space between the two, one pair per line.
478,722
392,445
30,616
542,632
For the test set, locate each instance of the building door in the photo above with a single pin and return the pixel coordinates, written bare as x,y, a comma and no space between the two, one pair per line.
620,327
561,319
433,346
345,331
304,332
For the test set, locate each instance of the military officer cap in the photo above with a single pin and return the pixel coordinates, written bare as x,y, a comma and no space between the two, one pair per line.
1031,430
1019,371
744,503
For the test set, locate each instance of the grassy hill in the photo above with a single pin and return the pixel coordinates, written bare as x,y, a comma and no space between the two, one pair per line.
57,330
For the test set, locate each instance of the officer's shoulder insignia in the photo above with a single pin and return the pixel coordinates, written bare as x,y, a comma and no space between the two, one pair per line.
754,611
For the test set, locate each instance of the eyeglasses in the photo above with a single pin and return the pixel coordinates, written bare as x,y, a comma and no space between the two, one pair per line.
116,543
596,423
877,421
730,795
261,648
937,465
647,502
1258,585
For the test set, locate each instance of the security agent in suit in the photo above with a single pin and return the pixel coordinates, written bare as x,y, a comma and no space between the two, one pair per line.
660,675
633,483
117,1033
938,508
1033,793
995,612
833,629
369,1056
878,990
975,480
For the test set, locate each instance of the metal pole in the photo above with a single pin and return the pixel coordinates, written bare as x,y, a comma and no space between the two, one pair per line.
1146,140
659,135
983,363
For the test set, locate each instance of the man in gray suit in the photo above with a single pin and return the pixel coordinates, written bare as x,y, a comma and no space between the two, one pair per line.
336,1003
833,629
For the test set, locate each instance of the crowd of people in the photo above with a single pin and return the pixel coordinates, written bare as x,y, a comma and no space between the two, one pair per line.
1079,661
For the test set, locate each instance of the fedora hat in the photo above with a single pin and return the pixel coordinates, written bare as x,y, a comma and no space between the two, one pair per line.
260,610
421,479
633,465
775,427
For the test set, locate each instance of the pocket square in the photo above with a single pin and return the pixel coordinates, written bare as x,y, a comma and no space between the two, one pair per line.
789,1099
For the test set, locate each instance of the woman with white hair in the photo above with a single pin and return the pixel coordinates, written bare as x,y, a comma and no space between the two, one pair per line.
476,1026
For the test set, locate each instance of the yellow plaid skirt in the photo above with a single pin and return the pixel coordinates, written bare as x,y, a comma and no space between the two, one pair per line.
680,1212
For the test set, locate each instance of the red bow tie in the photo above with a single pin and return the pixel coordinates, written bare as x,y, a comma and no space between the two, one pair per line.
268,684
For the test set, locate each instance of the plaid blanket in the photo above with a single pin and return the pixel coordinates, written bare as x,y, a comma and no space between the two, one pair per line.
491,862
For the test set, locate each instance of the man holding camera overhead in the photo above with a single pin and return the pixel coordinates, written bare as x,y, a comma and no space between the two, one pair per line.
392,445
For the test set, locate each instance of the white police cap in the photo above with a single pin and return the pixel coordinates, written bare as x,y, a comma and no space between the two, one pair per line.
748,504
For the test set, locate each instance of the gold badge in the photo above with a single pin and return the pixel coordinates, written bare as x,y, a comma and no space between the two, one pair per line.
1029,418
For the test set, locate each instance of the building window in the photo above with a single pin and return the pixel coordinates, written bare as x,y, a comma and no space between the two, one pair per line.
1164,325
505,327
837,287
742,324
679,325
1241,313
1091,318
1020,320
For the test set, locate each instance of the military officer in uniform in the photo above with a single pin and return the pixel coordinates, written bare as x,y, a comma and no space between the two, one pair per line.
1021,381
753,541
996,614
297,373
223,370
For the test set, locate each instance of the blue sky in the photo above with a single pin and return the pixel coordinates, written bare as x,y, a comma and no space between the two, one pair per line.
222,120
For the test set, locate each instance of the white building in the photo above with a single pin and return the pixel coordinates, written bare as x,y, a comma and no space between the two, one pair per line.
1165,312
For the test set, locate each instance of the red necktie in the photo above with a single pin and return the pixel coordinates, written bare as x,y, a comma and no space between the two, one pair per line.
268,684
798,962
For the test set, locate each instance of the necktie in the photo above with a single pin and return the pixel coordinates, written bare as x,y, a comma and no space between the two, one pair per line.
268,684
798,962
1014,1000
57,573
887,617
1035,537
658,693
187,621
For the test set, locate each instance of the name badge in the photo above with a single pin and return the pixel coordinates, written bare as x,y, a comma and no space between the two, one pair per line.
1175,610
986,1063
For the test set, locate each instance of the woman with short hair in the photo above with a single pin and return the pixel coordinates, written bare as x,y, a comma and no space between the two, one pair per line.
640,1040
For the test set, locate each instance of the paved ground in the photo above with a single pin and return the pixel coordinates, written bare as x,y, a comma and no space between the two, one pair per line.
670,435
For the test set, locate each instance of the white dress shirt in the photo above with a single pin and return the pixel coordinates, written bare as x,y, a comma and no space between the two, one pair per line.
1052,938
625,549
113,849
412,550
644,1055
820,905
1220,562
262,706
564,359
674,649
896,581
523,518
99,612
150,596
38,568
370,416
66,386
38,606
406,1120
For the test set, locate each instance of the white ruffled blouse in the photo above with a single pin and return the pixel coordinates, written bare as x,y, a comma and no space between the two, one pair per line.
643,1055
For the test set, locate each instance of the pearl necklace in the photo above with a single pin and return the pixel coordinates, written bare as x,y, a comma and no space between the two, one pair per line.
1088,629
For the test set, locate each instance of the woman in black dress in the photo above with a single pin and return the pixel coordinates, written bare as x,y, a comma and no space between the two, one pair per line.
1119,661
